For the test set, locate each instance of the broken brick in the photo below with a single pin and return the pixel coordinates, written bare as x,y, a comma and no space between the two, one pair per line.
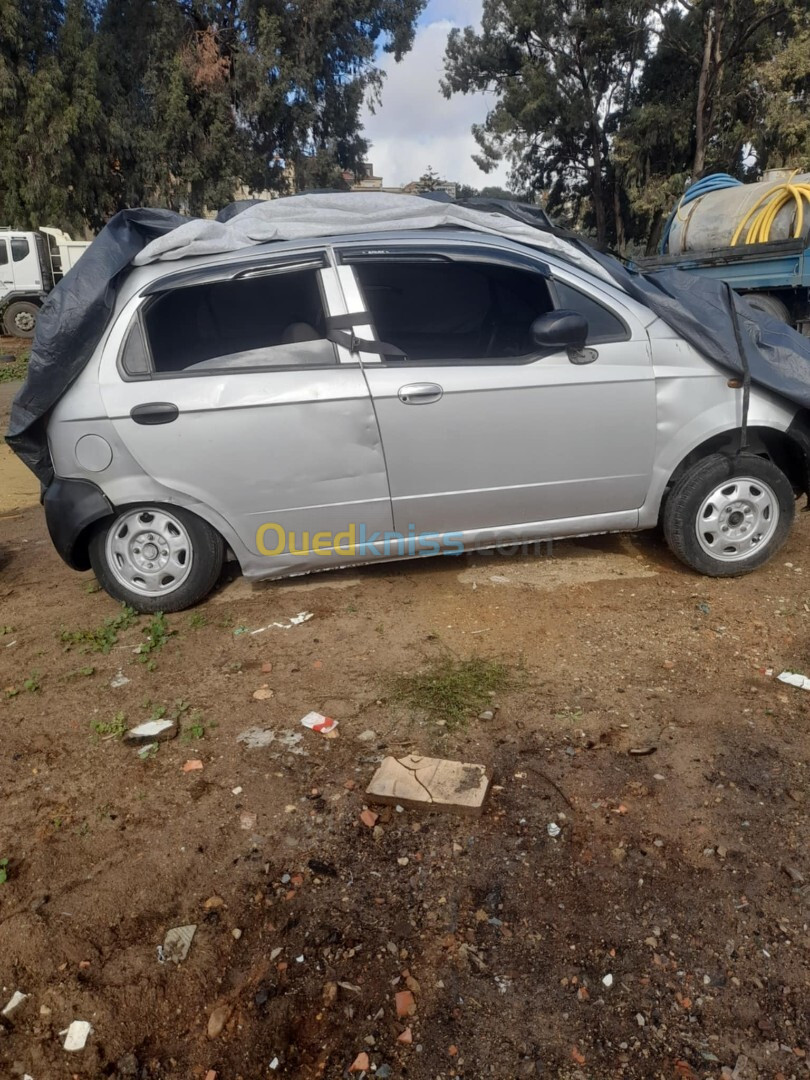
406,1006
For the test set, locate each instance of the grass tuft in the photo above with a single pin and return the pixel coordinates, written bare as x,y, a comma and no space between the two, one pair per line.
449,691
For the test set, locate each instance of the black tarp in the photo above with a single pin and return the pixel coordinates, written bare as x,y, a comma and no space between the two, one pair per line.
704,311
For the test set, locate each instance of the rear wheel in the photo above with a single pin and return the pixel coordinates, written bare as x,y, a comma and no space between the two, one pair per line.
728,515
20,319
157,558
770,304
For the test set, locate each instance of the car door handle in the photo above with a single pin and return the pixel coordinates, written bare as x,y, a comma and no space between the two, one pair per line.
155,412
420,393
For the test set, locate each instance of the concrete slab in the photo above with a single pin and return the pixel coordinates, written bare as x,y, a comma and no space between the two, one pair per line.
423,783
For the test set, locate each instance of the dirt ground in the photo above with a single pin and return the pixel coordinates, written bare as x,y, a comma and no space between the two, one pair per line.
679,877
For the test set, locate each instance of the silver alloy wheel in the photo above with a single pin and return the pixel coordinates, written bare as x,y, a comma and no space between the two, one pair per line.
738,518
149,551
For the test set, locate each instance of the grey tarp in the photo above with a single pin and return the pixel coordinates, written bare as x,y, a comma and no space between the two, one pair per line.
72,322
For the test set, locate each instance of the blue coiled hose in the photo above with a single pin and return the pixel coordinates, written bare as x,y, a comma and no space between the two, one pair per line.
715,182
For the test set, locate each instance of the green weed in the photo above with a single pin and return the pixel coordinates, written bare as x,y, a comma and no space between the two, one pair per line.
103,637
450,690
114,728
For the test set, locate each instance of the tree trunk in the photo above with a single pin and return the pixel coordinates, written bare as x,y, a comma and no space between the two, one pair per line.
701,133
597,188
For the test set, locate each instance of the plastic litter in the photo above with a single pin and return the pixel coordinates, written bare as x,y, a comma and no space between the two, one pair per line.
176,944
294,620
17,998
317,722
76,1035
793,678
119,680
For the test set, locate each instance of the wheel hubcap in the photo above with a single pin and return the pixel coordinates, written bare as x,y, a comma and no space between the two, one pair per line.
149,551
24,320
737,519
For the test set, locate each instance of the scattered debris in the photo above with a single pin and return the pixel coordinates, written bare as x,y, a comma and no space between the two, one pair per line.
369,735
369,818
148,751
274,1064
213,902
192,766
177,943
553,829
295,620
792,678
119,680
76,1035
642,751
315,721
151,731
430,783
607,980
247,820
264,693
405,1037
360,1064
17,998
258,738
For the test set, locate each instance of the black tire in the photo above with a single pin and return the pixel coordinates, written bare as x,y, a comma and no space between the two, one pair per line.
771,305
682,513
206,554
20,319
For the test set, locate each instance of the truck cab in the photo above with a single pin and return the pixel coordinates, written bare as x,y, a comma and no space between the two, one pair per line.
31,263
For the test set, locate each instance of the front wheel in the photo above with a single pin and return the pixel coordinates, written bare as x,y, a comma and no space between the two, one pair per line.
157,558
728,515
20,319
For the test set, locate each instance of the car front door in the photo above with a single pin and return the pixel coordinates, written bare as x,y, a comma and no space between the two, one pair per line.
228,394
482,430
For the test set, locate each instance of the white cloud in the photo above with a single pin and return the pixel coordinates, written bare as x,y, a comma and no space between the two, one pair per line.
416,126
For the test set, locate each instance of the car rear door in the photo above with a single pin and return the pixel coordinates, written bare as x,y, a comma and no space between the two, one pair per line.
480,430
226,392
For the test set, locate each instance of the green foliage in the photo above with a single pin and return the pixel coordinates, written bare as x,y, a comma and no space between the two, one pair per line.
103,637
17,369
33,683
157,634
114,728
106,104
610,107
3,871
449,690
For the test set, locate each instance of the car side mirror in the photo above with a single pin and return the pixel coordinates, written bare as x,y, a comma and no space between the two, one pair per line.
560,330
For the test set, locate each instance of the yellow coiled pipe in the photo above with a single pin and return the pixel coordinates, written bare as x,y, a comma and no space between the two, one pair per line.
764,211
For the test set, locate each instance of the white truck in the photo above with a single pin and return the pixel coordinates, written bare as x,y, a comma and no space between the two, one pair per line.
31,263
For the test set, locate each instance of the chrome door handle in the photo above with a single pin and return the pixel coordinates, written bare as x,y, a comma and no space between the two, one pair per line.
420,393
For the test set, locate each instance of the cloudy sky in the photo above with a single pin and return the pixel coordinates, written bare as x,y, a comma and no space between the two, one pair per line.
416,126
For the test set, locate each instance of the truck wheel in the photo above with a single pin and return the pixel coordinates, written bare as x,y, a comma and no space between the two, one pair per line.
728,515
157,558
20,319
770,304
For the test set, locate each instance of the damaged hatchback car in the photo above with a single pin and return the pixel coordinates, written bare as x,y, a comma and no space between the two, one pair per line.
312,403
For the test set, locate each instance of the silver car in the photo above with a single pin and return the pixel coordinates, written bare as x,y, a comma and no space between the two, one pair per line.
305,405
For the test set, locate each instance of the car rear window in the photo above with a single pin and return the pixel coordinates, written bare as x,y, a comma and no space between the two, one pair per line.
273,320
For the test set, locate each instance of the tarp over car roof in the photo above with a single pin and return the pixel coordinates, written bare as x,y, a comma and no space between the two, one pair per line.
704,311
